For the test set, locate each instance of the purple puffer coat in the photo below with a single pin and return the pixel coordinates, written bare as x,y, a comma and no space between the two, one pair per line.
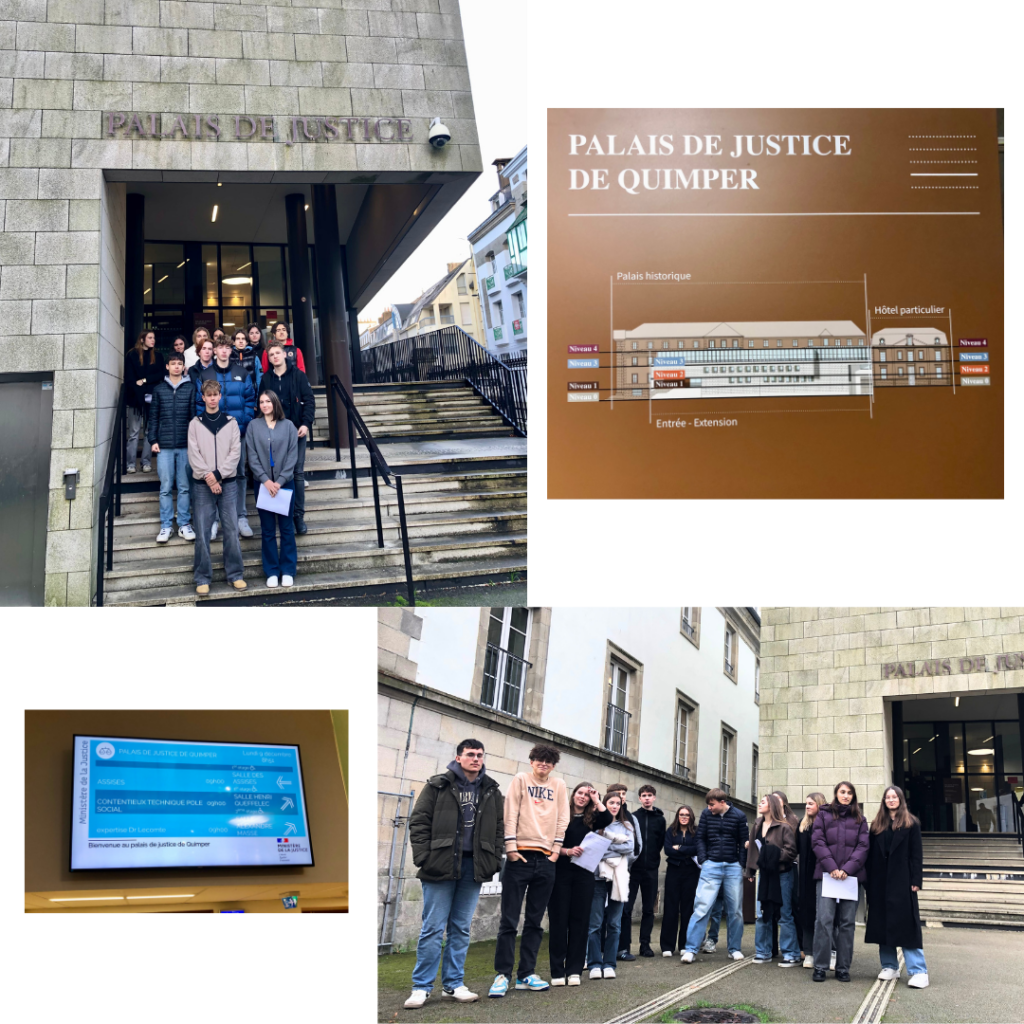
840,841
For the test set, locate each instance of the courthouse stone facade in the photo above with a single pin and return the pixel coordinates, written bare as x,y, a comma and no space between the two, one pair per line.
64,64
828,680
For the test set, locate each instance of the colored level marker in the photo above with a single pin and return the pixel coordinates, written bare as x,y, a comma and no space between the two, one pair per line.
582,349
583,385
973,357
981,370
591,396
670,375
584,364
974,342
974,381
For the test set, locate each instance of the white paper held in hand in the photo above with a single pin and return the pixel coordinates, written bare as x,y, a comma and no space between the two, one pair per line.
836,889
594,847
279,503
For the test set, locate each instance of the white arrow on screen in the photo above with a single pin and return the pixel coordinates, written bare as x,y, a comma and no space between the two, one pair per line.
281,783
286,803
289,827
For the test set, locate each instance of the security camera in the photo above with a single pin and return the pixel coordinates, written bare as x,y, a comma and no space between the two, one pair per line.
439,134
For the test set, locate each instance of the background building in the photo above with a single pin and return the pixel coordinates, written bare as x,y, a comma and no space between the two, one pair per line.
499,251
921,356
667,696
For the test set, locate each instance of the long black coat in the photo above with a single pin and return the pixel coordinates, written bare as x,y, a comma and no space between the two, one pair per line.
893,916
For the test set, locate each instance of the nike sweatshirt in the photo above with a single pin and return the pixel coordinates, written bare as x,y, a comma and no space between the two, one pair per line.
536,814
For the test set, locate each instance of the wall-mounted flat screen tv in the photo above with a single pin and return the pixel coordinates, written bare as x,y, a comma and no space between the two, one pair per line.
142,803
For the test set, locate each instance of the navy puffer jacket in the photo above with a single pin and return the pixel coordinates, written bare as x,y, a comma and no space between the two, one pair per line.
237,391
170,414
840,841
720,837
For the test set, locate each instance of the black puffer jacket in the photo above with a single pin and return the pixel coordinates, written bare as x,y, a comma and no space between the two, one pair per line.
652,836
720,837
292,387
170,413
135,394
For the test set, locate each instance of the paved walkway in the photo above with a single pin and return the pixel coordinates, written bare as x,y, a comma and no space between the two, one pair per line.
974,978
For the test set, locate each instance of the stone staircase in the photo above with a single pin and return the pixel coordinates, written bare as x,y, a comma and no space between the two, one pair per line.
419,412
465,499
973,880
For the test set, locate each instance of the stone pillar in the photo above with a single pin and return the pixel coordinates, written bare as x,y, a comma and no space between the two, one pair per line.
332,306
134,260
355,353
299,285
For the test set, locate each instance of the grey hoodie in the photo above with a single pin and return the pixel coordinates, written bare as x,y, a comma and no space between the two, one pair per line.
469,799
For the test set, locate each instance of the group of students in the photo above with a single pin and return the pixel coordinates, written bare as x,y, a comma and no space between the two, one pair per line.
461,824
214,414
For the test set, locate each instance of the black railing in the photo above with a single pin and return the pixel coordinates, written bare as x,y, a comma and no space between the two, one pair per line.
109,504
688,629
682,770
504,681
1018,819
378,464
451,354
616,732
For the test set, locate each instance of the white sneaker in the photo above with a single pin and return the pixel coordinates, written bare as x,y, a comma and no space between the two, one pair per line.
609,972
271,582
574,979
667,952
595,973
244,529
286,581
186,532
918,981
736,955
417,999
461,995
557,982
887,974
164,535
709,946
686,957
808,961
213,531
131,468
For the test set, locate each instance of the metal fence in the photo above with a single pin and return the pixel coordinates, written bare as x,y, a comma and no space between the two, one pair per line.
393,812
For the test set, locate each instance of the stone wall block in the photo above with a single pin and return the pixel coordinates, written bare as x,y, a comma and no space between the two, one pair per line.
19,182
171,156
132,12
101,153
399,76
188,70
382,157
56,590
439,76
439,26
383,23
268,100
420,51
344,23
40,153
179,14
329,157
80,590
320,48
119,67
268,46
411,6
242,72
40,94
346,76
39,36
213,44
75,12
149,97
26,353
83,215
100,95
372,50
379,102
32,282
293,73
103,39
67,316
987,644
83,282
37,215
216,99
162,42
331,102
69,551
240,17
87,66
293,20
16,247
22,10
21,63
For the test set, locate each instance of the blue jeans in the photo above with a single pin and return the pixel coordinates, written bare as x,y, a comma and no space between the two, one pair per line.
788,946
716,918
913,957
447,907
715,876
275,564
601,916
172,466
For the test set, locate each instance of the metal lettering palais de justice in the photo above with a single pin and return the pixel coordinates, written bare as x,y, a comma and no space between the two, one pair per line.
951,666
246,128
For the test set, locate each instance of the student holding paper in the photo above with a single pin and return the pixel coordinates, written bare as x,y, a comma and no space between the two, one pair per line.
573,894
839,839
681,877
895,876
272,446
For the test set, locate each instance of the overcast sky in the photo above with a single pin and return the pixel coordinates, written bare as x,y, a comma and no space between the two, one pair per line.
499,97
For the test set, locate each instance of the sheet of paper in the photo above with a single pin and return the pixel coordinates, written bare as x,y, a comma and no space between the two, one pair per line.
594,847
695,861
280,504
834,889
758,841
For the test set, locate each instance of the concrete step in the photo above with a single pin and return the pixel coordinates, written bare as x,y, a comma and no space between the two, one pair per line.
969,909
1003,888
310,584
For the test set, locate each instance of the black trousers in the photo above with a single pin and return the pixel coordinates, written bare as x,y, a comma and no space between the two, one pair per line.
569,918
645,882
677,906
531,879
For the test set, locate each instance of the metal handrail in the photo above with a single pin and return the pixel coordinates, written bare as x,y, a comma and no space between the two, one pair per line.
109,504
451,354
378,464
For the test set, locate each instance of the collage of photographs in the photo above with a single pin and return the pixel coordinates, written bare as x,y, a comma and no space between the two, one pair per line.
264,356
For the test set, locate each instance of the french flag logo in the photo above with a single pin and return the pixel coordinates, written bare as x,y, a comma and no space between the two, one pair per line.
282,840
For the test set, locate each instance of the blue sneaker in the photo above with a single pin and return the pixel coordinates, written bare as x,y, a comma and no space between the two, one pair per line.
499,988
533,982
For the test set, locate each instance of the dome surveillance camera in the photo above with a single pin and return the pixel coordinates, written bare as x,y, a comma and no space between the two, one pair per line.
439,134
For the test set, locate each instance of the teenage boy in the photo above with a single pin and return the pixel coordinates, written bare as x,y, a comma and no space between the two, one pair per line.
461,811
214,448
279,332
721,834
292,386
643,874
238,399
536,817
170,413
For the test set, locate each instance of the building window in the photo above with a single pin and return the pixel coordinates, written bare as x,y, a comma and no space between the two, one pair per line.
757,680
505,667
727,760
881,357
883,373
634,346
499,317
938,355
753,777
517,298
636,392
461,284
634,360
729,666
689,625
938,371
617,721
634,380
685,763
467,314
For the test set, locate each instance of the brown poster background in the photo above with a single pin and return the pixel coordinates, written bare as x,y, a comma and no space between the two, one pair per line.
918,443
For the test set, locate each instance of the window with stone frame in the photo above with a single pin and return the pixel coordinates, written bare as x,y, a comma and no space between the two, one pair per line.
753,777
687,714
689,625
729,666
727,760
623,689
505,664
757,680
